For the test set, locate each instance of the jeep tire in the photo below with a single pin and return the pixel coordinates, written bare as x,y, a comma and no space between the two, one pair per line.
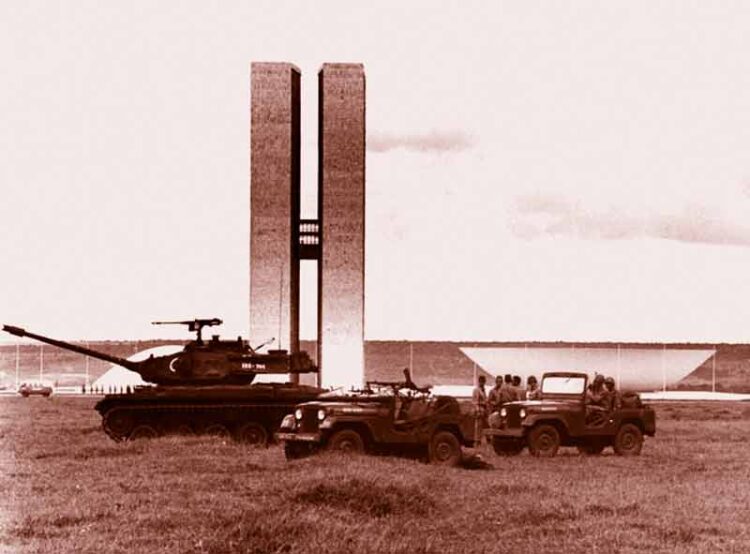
629,440
507,447
346,441
544,440
444,449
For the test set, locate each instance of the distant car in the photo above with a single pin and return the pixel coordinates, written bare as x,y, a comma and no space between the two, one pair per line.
560,419
27,389
385,417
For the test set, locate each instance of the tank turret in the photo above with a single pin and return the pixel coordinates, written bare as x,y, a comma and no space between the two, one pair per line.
201,362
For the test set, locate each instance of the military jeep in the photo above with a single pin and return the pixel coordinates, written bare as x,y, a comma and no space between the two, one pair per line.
384,417
562,418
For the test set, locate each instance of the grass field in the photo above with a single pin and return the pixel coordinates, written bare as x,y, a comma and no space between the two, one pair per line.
67,488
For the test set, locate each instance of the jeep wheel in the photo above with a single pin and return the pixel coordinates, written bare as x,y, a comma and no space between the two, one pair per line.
346,441
445,450
296,450
252,434
544,440
507,447
629,440
590,449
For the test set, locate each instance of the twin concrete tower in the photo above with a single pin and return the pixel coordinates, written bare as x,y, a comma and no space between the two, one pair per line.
280,239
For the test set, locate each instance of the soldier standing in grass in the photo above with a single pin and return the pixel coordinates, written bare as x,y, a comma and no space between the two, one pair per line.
479,399
532,389
507,393
517,392
493,400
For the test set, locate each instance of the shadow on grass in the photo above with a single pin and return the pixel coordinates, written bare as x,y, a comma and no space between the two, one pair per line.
541,515
89,453
368,497
50,526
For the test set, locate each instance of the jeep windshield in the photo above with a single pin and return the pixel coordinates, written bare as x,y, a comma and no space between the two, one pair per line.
558,384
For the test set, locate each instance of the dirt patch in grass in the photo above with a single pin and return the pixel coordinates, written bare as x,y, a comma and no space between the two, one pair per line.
90,430
606,511
540,515
366,497
89,453
518,488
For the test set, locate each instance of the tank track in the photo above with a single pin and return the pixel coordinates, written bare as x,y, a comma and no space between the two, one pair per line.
246,422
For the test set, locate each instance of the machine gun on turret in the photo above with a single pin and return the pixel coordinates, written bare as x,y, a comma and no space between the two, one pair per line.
194,325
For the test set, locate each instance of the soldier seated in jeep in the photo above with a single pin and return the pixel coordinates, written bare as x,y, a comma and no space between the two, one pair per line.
560,419
597,403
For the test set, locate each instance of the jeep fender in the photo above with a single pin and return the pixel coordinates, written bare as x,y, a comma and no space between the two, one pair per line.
537,419
359,426
456,430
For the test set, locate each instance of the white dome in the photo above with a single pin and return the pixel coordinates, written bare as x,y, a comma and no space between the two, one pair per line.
117,377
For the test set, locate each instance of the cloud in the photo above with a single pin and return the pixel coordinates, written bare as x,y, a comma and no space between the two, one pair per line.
539,215
434,141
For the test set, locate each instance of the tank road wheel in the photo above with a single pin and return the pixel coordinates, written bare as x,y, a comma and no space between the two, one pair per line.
252,434
184,430
346,441
444,450
217,430
629,440
544,440
143,432
117,424
593,449
507,447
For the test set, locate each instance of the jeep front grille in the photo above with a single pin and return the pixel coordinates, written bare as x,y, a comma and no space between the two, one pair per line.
514,419
309,423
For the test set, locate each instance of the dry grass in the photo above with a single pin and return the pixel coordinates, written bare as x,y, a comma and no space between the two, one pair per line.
67,488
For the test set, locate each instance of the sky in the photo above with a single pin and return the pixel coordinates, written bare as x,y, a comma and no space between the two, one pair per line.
535,170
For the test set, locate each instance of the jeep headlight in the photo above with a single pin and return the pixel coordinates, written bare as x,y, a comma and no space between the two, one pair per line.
522,413
298,413
321,414
288,422
503,412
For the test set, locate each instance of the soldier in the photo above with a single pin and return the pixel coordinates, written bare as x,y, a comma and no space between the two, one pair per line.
611,394
479,399
494,400
532,389
596,402
479,396
517,392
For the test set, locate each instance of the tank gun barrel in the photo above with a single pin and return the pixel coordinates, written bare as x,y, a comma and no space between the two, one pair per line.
19,332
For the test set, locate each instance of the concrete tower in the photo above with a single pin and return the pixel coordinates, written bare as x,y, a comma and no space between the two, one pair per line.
275,204
341,205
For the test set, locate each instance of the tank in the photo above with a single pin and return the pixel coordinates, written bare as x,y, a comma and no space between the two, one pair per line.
206,388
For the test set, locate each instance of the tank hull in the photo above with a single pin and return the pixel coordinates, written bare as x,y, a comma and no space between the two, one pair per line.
250,413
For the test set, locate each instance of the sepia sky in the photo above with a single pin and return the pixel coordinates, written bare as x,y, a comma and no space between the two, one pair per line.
535,170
